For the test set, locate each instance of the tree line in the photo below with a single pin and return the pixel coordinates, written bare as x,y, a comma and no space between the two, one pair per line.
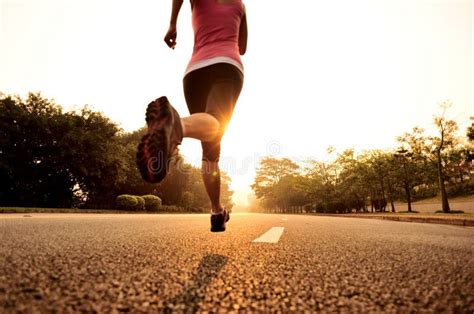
55,159
422,166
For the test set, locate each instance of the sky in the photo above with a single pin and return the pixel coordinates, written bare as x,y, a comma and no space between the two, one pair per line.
318,73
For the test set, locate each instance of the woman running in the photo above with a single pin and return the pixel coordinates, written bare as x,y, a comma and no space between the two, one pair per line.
212,83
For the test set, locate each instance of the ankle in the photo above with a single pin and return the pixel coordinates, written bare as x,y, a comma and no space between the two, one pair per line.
217,210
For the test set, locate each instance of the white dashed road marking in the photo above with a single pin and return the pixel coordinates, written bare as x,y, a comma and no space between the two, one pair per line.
271,236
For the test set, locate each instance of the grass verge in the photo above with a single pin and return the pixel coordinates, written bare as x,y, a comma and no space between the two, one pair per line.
32,210
450,212
22,210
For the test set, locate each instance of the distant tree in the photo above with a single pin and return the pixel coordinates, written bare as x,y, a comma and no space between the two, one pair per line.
321,183
470,131
355,179
391,164
188,200
133,183
414,166
458,169
440,154
226,192
288,196
96,157
444,141
380,170
269,173
470,138
171,189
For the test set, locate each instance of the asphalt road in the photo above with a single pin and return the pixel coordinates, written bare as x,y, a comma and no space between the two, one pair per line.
149,263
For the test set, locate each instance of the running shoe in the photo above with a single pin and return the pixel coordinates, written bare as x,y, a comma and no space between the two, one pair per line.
218,220
161,141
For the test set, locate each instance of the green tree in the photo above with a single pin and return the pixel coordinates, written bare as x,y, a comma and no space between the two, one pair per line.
354,179
269,174
94,156
458,169
321,183
289,196
133,183
470,131
188,200
30,131
416,168
435,151
444,141
172,188
53,159
381,168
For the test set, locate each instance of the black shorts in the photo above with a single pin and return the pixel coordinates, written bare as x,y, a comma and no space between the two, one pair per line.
214,90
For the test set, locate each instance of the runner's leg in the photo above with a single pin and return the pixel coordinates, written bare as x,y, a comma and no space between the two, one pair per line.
211,94
220,104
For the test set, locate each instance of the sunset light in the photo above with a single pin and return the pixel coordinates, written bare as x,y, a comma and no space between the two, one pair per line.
327,165
342,73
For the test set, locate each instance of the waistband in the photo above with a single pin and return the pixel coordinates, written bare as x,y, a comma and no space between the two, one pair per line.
207,62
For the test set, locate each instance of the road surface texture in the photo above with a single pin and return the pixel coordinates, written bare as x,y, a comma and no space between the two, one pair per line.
172,263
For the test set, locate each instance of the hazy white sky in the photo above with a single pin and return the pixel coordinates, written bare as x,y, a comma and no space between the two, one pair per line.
346,73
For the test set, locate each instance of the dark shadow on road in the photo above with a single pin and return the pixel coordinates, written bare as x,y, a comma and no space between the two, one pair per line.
193,293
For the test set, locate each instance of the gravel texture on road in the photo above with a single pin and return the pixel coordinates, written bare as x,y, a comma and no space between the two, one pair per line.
172,263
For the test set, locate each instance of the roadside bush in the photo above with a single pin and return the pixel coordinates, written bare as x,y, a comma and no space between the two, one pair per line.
140,203
126,202
152,203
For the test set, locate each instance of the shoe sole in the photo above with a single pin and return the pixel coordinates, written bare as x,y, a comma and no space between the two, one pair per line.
218,229
152,152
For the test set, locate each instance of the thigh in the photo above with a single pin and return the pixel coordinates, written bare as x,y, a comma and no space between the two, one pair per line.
226,85
196,87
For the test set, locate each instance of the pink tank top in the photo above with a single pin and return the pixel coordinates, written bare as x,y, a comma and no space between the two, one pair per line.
216,33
